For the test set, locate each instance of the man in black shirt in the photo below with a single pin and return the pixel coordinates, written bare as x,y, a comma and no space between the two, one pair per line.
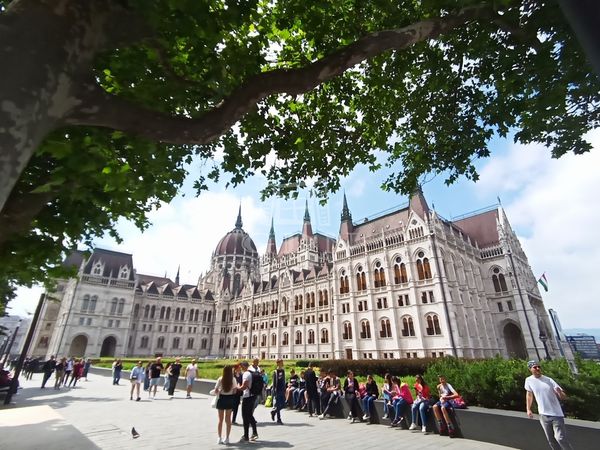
174,375
155,370
48,368
312,391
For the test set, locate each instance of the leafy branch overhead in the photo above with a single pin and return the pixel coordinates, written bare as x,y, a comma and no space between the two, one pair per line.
131,90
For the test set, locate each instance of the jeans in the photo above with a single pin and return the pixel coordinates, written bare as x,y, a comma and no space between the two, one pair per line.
420,409
387,405
330,399
298,395
117,376
554,428
47,375
279,403
247,415
399,405
368,404
172,384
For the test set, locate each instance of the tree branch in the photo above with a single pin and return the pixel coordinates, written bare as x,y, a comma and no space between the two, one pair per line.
102,109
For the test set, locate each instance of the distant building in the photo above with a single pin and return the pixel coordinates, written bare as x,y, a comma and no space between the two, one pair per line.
406,284
585,345
12,323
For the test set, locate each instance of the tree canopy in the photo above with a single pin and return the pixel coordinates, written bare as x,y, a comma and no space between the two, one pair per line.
102,103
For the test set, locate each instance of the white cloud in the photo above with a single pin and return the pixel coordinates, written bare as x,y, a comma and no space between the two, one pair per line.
552,205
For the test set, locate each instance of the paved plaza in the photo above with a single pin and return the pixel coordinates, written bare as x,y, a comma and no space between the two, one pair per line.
97,414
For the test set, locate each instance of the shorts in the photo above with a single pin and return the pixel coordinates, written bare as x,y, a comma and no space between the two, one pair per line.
226,402
190,381
446,405
154,381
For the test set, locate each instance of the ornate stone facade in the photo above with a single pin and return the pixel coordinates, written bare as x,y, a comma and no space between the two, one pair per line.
405,284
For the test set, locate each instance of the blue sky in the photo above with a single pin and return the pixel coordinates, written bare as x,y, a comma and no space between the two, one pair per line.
550,203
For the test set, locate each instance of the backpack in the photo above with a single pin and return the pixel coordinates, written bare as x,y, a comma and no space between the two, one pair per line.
256,388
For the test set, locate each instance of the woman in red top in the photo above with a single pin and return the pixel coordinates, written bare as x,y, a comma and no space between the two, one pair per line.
77,372
421,404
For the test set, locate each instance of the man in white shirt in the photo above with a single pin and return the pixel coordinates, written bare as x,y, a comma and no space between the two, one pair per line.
547,394
191,372
248,400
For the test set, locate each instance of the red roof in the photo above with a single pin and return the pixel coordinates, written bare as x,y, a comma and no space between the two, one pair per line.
481,228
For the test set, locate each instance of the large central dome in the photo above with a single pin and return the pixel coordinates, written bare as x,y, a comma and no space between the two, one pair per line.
237,242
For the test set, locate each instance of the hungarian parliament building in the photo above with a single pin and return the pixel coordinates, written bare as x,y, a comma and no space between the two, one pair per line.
407,284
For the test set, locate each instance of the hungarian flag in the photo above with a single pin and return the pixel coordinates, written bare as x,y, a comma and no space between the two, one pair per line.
544,282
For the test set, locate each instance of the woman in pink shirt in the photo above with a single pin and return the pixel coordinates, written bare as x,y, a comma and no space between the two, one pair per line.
402,399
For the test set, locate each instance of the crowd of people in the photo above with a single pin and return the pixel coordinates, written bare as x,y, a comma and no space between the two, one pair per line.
67,371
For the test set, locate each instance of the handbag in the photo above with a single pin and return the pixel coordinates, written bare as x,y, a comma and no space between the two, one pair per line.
458,403
215,399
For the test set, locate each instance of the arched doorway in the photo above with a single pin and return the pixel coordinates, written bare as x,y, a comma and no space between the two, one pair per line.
515,344
78,346
108,347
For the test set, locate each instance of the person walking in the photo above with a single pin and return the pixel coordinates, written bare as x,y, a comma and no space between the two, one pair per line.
117,368
174,376
48,368
226,389
77,372
312,392
278,391
155,369
68,369
547,394
191,372
138,373
248,399
86,368
59,372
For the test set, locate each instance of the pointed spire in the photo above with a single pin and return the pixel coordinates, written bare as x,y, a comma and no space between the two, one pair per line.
307,227
418,204
177,276
238,222
346,216
271,245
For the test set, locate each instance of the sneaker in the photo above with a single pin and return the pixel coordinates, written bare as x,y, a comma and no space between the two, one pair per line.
219,441
279,422
243,439
226,441
254,437
350,417
188,396
365,417
412,426
273,415
385,416
130,398
138,399
394,424
424,430
321,416
451,433
443,431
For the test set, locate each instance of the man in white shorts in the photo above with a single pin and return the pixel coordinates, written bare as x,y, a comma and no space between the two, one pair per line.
191,372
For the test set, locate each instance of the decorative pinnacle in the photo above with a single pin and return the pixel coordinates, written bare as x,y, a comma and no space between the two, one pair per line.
306,214
238,222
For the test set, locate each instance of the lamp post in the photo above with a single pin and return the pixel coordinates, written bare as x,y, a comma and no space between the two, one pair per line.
14,383
544,338
11,342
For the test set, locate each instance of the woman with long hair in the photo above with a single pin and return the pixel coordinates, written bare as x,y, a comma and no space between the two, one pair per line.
387,395
237,375
421,404
225,388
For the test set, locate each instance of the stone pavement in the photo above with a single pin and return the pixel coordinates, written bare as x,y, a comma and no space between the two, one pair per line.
97,414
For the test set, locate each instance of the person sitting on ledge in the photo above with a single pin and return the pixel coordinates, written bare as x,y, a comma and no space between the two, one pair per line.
442,408
330,392
371,394
402,399
421,404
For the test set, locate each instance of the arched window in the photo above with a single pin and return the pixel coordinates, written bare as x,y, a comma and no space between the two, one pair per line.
121,306
286,339
408,328
144,342
86,303
235,342
224,316
365,330
386,329
175,342
160,343
347,331
423,268
379,275
298,337
93,301
182,316
320,298
325,298
146,311
284,305
311,336
263,340
433,325
152,311
168,313
273,339
344,283
324,336
209,316
361,279
196,314
177,314
400,275
254,340
136,311
113,305
162,313
499,281
245,342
